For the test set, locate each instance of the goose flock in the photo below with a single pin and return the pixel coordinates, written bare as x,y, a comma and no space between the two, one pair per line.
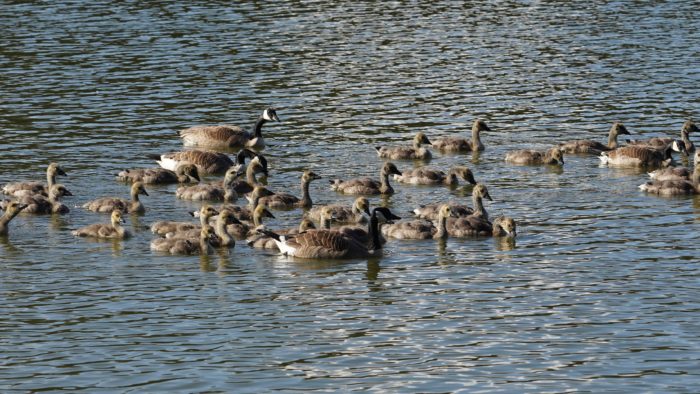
332,231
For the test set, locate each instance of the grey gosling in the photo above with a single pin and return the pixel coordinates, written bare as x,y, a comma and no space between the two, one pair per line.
289,201
420,228
675,173
11,210
431,176
455,144
19,189
416,152
113,230
163,227
479,192
552,156
202,245
109,204
368,186
357,213
595,147
184,173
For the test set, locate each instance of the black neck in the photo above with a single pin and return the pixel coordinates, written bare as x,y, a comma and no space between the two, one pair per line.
373,232
257,129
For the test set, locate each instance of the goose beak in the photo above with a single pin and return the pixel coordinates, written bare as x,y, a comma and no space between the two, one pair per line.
60,171
488,196
195,175
275,117
67,193
269,214
144,192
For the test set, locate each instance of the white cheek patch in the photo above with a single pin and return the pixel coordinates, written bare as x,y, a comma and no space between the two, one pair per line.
266,115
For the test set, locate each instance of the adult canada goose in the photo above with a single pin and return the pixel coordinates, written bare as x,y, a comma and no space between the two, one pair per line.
223,238
368,186
470,226
331,244
552,156
675,173
357,213
456,144
184,173
641,156
420,228
431,176
163,228
595,147
261,241
99,230
11,210
46,205
212,191
661,143
289,201
207,162
200,245
227,136
416,152
675,187
18,189
109,204
432,211
245,228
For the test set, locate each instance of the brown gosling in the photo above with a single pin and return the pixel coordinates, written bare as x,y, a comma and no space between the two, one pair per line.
212,191
368,186
456,144
114,230
201,245
416,152
357,213
109,204
431,176
675,173
289,201
184,173
479,192
595,147
552,156
164,227
11,210
42,205
18,189
420,228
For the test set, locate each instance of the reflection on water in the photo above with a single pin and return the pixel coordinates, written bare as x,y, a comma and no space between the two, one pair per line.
580,299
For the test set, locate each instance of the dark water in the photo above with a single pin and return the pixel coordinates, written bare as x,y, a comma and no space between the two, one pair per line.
598,293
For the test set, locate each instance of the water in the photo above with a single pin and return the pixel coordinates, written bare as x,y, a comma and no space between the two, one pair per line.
598,292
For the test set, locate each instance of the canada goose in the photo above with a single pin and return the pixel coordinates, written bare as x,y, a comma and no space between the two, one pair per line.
641,156
112,230
223,191
247,186
420,228
331,244
184,173
18,189
163,228
431,176
288,201
675,187
456,144
469,226
109,204
661,143
43,205
431,211
246,229
261,241
355,231
11,210
357,213
200,245
552,156
595,147
368,186
223,238
258,193
675,173
207,162
416,152
227,136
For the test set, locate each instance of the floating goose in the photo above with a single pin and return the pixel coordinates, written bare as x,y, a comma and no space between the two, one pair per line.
223,191
368,186
456,144
19,189
431,211
431,176
675,187
420,228
289,201
46,205
202,245
113,230
11,210
357,213
470,226
184,173
552,156
675,173
662,143
109,204
163,228
595,147
641,156
207,162
416,152
227,136
223,238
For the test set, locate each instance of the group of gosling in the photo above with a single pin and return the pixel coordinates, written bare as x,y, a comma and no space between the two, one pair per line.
340,231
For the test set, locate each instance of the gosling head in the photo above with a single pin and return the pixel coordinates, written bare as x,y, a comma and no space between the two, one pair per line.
262,191
618,128
138,188
205,211
689,127
421,138
480,125
390,168
445,211
466,174
262,212
270,114
228,217
58,191
191,171
384,215
481,191
309,176
507,225
117,217
558,155
54,168
361,205
306,225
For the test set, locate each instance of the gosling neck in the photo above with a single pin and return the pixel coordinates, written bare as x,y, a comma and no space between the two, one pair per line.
441,228
479,209
204,245
476,139
50,178
250,175
685,137
695,178
5,219
612,139
257,218
222,232
385,188
325,222
451,178
116,224
305,197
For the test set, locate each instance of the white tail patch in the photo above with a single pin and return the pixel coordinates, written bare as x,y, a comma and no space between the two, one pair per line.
168,163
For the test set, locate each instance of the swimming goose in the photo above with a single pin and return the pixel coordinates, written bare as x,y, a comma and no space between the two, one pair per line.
675,173
18,189
288,201
109,204
227,136
184,173
245,228
431,211
46,205
11,210
207,162
368,186
469,226
355,231
99,230
163,227
595,147
417,152
261,241
552,156
258,193
676,187
431,176
200,245
357,213
223,238
456,144
331,244
420,228
641,156
661,143
216,191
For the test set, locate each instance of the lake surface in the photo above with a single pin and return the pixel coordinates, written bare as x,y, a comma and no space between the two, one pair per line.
599,292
